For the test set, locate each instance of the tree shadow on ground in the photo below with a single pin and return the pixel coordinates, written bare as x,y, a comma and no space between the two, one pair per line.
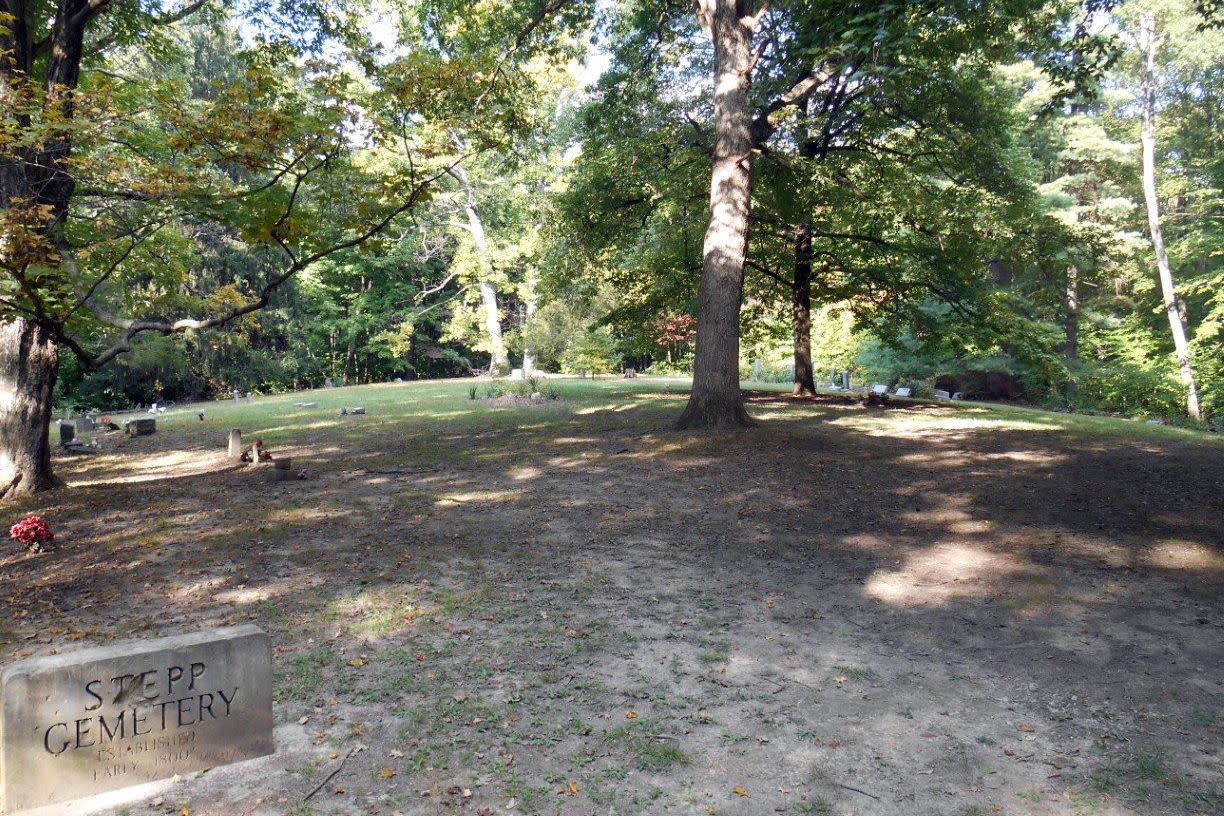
833,606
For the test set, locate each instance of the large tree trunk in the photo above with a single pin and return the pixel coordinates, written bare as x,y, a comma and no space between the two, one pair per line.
715,400
29,363
499,362
801,311
1177,320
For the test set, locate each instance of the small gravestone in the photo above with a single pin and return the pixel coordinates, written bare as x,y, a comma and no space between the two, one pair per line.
235,444
328,383
879,388
67,432
630,373
94,720
845,383
904,392
516,373
282,469
358,410
940,394
142,427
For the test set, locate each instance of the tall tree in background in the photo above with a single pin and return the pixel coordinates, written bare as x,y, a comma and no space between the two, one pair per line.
499,361
1174,309
768,60
97,174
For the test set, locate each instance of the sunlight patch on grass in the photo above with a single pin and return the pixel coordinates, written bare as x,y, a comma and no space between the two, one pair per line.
452,499
899,423
941,574
378,613
167,465
1183,555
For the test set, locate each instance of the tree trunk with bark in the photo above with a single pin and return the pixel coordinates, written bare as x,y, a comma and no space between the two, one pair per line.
715,401
529,310
1168,289
801,311
29,363
499,361
34,176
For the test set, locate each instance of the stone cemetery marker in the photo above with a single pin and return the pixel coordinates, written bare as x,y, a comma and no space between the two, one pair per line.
89,721
67,433
282,469
142,427
235,443
904,392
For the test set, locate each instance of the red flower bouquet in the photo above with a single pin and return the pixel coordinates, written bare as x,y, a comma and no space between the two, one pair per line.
34,533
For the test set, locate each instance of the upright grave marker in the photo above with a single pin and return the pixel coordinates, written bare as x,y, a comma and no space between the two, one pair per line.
85,722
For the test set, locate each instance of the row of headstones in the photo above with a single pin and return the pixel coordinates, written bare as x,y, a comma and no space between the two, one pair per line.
881,390
133,427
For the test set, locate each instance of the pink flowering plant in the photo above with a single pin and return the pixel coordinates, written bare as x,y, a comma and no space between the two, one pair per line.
34,533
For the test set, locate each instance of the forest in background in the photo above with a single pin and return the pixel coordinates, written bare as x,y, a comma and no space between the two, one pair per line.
921,216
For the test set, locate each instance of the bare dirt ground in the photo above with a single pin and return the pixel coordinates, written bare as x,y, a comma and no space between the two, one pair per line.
575,610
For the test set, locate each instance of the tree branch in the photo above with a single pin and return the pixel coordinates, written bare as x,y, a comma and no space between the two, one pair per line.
132,327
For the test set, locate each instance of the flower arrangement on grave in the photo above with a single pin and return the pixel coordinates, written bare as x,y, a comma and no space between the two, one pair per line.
264,455
34,533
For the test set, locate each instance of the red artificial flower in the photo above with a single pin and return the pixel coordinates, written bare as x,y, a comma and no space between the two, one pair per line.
31,531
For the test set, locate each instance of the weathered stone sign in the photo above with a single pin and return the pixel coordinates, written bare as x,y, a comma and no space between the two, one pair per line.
142,427
89,721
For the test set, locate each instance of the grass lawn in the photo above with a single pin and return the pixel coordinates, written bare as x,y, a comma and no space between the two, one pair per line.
567,607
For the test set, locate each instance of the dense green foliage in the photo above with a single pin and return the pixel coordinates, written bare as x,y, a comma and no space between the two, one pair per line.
954,188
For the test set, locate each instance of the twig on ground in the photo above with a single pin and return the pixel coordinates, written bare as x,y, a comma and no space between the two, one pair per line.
330,776
857,790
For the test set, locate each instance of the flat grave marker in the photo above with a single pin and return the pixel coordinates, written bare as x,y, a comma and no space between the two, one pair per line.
94,720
